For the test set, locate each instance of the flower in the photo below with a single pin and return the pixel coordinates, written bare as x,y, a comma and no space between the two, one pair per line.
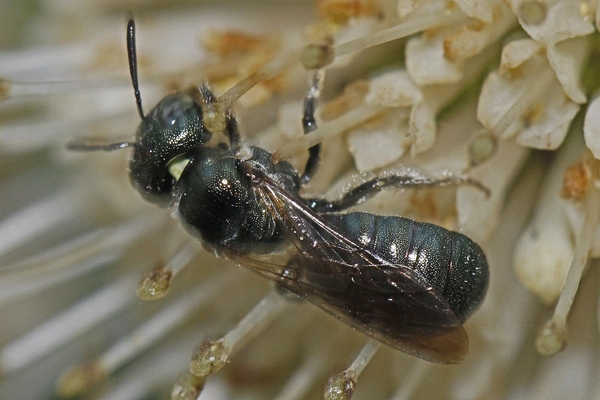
447,89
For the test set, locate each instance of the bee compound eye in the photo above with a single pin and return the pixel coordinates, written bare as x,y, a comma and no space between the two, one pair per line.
176,110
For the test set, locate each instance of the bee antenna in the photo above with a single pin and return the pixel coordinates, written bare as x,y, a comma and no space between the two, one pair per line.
132,56
94,145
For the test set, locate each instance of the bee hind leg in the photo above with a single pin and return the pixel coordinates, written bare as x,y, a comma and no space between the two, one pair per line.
410,179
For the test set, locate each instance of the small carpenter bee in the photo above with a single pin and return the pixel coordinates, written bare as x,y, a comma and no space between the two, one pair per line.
407,284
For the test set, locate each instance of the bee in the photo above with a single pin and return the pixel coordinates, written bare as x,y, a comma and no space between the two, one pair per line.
408,284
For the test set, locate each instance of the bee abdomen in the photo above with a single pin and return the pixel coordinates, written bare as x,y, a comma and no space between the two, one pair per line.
448,261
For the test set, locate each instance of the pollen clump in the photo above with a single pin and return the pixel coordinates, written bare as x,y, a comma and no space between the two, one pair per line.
339,12
576,181
155,285
209,359
230,42
80,379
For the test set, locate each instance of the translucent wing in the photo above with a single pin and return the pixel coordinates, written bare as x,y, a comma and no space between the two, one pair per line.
390,303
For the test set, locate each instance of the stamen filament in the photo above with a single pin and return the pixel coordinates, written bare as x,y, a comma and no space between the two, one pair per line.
527,97
411,381
268,71
21,227
157,370
157,282
342,385
553,336
52,334
75,258
303,378
213,355
327,130
78,379
404,29
278,65
545,248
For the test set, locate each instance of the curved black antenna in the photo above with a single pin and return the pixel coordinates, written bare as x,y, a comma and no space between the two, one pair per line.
131,54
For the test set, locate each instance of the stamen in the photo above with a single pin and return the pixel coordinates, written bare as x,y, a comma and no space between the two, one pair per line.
79,319
81,378
477,218
213,355
74,258
481,148
277,66
411,381
407,28
21,227
268,71
342,385
188,387
157,282
500,333
159,369
34,89
527,97
46,60
532,12
553,336
298,385
5,89
327,130
544,250
436,100
317,56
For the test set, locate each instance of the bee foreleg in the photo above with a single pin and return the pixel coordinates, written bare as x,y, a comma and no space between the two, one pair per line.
309,124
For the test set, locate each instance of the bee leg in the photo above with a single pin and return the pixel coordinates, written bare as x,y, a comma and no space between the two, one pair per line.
232,131
207,96
309,124
370,188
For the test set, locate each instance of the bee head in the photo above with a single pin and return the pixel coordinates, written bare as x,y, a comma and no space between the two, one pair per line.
172,129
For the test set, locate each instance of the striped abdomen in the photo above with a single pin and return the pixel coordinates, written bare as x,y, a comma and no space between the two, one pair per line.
450,262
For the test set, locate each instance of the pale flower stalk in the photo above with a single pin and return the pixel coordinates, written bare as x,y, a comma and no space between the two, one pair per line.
442,88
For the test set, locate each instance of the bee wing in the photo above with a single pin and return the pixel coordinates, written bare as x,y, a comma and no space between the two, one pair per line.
388,302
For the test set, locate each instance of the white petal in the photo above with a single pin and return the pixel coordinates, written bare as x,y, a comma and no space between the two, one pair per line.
421,7
405,7
567,58
544,117
422,127
479,216
597,17
377,146
576,216
393,89
474,37
591,127
482,10
545,249
289,124
426,63
551,118
543,256
516,52
563,21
